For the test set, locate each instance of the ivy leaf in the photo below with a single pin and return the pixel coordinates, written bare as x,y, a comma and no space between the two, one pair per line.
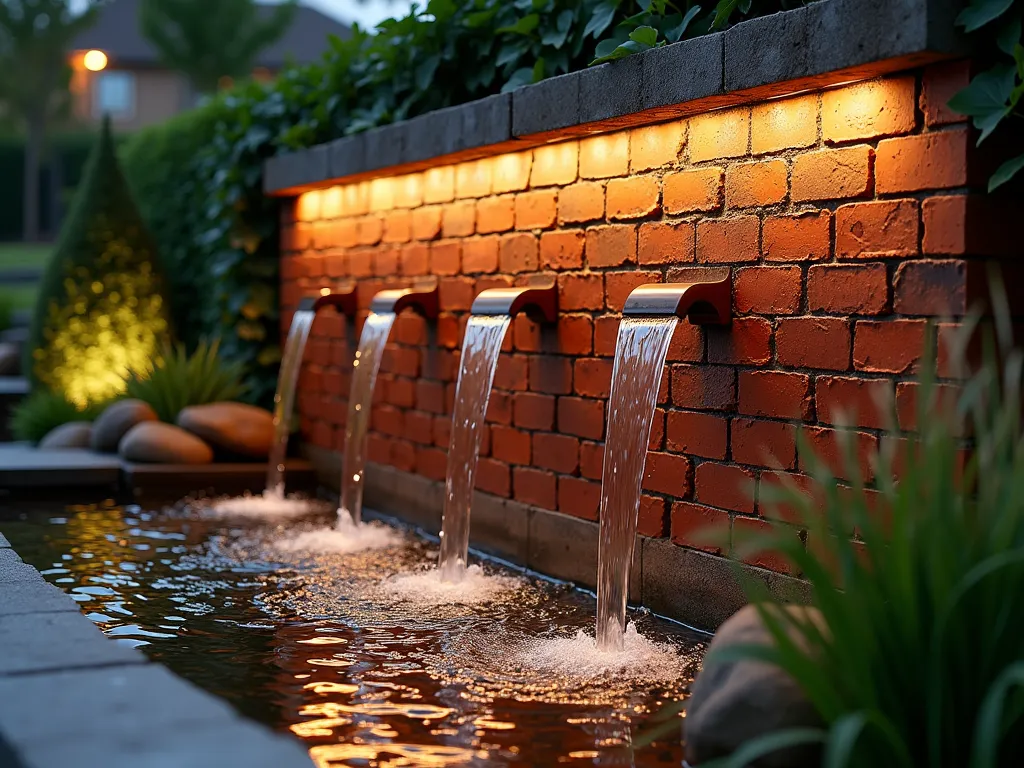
986,98
645,36
981,12
601,18
1005,172
524,26
724,10
519,78
675,34
425,71
627,48
1009,36
511,52
556,37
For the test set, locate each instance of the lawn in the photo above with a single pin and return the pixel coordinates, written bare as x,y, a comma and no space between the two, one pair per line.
22,255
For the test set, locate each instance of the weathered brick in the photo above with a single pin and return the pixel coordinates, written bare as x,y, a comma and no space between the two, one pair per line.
763,443
654,146
686,344
518,253
495,214
511,172
382,196
700,189
774,496
767,290
533,411
634,197
562,249
747,341
580,202
480,254
581,417
813,342
592,376
784,124
574,335
941,404
560,453
718,134
847,401
883,229
550,374
510,445
580,291
667,473
591,459
704,387
848,289
666,242
618,285
426,222
473,179
432,463
455,294
445,257
745,531
439,184
578,497
724,241
725,486
512,372
831,447
535,486
700,527
929,161
803,237
611,245
888,346
493,476
944,220
536,209
832,174
605,156
555,164
939,83
458,219
930,287
370,229
763,182
775,393
697,434
397,227
868,110
385,261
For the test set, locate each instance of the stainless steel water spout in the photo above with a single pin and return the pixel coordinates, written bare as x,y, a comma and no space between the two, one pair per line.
343,300
539,298
704,295
421,297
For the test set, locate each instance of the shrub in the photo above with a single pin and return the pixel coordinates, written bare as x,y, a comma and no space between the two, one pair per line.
179,380
44,410
100,309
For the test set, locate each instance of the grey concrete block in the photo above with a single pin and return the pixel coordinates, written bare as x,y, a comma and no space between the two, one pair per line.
434,134
12,569
611,90
546,106
34,596
385,146
500,527
4,542
27,467
487,121
294,169
684,71
412,498
38,642
104,704
565,547
347,156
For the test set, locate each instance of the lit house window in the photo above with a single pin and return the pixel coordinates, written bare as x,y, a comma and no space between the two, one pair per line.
114,94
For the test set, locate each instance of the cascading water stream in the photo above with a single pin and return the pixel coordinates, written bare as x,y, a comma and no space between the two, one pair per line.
480,350
640,353
284,398
372,340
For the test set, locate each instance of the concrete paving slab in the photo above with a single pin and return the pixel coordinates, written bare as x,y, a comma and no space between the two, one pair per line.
26,467
34,596
39,642
4,542
13,569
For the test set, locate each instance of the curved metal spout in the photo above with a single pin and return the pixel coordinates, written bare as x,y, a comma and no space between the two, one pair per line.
540,297
703,295
421,297
343,300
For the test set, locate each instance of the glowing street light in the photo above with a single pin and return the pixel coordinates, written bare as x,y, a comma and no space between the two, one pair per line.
95,61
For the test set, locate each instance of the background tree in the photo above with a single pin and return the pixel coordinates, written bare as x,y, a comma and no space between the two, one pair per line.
208,41
35,36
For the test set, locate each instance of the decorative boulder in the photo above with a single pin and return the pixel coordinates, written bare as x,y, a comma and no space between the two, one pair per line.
154,442
234,427
735,701
74,434
114,423
10,359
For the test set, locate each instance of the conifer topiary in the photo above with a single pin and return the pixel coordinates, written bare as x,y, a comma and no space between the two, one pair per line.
101,310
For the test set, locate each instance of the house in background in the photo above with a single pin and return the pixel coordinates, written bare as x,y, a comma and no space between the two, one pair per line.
135,88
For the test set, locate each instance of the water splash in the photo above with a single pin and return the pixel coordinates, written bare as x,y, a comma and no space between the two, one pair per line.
272,503
480,350
640,353
374,336
344,538
429,588
284,398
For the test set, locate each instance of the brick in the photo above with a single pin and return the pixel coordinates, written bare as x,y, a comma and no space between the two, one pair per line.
455,294
876,230
704,387
574,335
767,290
592,376
480,255
511,172
560,453
745,532
832,174
579,498
666,242
944,220
551,375
846,401
606,332
409,191
937,288
536,209
831,446
385,261
775,393
747,341
512,372
439,184
942,404
939,83
697,434
581,202
700,527
667,473
493,476
929,161
687,344
618,285
533,411
803,237
382,196
591,459
847,289
888,346
654,146
445,257
656,442
724,486
580,291
651,518
458,219
555,164
813,342
748,185
370,230
611,245
868,110
494,214
581,417
426,222
701,189
473,179
518,253
634,197
397,227
510,445
784,124
723,133
763,443
562,249
432,463
602,157
776,489
725,241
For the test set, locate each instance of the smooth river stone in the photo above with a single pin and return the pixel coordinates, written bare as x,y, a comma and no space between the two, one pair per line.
154,442
74,434
113,424
235,427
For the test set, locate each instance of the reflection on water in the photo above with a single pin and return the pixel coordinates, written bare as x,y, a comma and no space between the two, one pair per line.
317,644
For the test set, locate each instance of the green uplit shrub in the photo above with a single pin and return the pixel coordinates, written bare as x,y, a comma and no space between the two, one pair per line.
45,410
179,379
101,310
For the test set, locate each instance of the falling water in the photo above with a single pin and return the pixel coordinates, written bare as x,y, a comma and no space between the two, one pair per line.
284,398
480,350
639,360
371,349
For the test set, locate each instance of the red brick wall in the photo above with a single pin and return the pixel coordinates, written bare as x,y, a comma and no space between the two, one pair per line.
843,214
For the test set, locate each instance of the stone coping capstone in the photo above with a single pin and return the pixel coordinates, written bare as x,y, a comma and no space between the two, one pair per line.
825,43
70,696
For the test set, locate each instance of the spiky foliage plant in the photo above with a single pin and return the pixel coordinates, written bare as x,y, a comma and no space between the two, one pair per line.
45,410
178,380
921,663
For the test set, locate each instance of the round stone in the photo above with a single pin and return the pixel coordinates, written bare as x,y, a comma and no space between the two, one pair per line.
153,442
114,423
234,427
74,434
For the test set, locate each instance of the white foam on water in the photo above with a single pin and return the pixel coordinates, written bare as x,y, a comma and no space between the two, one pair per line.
426,588
268,504
344,538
